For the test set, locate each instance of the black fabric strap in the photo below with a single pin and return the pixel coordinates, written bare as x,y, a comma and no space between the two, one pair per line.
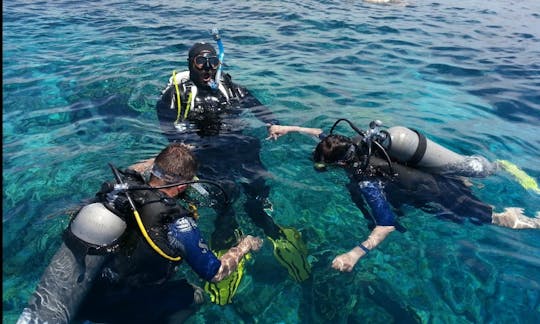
420,149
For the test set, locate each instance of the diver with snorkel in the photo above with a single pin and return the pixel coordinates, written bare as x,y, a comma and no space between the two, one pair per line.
204,108
390,168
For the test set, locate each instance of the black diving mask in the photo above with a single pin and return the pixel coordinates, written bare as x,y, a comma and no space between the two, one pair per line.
204,61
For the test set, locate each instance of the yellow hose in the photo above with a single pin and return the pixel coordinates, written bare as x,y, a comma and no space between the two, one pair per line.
149,240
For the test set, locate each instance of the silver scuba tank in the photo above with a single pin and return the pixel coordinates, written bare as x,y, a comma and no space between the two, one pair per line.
412,148
71,272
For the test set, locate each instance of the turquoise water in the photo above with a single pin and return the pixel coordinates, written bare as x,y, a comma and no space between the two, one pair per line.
80,81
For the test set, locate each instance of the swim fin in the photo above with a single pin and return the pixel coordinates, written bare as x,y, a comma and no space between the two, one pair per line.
222,292
525,180
291,252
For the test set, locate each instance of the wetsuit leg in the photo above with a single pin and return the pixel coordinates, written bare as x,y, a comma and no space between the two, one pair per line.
257,192
64,285
460,203
145,304
225,230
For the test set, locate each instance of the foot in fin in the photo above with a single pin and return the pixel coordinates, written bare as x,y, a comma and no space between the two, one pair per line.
222,292
525,180
291,252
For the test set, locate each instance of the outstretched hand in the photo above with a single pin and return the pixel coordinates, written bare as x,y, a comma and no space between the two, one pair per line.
345,262
275,131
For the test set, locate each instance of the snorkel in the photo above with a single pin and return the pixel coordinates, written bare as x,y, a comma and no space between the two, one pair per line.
217,80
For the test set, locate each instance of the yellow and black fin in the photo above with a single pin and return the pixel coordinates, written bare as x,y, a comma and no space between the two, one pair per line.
222,292
291,252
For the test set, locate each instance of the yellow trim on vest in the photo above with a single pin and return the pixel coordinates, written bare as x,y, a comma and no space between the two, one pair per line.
179,103
188,104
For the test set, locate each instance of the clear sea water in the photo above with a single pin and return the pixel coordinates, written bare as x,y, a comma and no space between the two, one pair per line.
81,78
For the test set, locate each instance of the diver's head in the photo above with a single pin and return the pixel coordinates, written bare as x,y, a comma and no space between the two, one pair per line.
203,63
175,163
334,149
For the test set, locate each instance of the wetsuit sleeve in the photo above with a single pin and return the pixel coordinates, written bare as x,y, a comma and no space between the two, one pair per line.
374,196
185,236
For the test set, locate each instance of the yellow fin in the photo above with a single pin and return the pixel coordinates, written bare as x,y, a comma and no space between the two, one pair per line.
525,180
222,292
291,252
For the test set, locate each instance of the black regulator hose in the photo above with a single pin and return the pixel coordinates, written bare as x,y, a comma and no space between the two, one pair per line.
356,129
369,143
227,200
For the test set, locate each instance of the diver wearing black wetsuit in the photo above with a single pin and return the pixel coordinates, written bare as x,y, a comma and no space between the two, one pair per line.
213,125
444,196
108,273
400,185
120,253
135,274
206,112
381,183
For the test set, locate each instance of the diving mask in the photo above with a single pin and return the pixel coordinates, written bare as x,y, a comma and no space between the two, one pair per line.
205,61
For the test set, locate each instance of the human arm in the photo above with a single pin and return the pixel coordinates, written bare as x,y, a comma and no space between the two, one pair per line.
370,192
345,262
185,236
275,131
231,259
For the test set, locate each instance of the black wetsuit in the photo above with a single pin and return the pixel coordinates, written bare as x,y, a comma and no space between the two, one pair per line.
216,126
446,197
134,285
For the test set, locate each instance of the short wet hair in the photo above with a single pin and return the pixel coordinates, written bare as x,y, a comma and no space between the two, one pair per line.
177,161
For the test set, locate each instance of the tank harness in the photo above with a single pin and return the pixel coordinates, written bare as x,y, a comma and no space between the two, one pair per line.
186,92
363,146
123,187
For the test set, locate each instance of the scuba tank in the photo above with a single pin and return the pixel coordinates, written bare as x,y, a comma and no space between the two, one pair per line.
75,265
412,148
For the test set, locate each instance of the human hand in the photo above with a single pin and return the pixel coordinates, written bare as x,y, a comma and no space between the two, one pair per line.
345,262
254,243
275,131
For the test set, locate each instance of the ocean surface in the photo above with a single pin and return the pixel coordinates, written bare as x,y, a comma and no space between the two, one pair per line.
80,80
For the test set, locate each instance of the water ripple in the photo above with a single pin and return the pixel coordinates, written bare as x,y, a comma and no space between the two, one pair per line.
80,81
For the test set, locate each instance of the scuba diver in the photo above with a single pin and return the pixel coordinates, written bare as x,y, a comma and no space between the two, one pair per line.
120,252
204,108
399,166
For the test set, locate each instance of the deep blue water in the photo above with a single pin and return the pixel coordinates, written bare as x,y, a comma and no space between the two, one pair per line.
80,81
